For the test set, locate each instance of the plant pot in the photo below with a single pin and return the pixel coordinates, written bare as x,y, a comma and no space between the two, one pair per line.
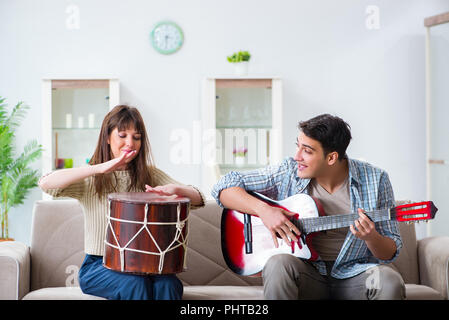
6,239
239,161
241,68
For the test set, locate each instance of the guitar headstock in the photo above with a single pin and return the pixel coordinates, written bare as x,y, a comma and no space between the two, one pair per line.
414,212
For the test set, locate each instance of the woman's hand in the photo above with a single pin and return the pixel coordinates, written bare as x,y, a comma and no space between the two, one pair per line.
165,190
116,163
179,190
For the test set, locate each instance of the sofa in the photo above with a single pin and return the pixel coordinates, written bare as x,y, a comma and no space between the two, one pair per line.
48,268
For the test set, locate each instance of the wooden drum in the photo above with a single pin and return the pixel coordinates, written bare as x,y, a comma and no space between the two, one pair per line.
146,233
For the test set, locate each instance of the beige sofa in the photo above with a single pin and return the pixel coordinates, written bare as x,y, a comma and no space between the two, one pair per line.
48,268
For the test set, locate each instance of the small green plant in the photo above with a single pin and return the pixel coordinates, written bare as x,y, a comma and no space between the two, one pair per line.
240,152
16,178
239,56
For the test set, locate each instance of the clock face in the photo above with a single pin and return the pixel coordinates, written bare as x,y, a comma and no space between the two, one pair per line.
167,37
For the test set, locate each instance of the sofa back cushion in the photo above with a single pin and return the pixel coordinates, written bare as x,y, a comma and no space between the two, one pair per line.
205,262
407,261
57,247
57,243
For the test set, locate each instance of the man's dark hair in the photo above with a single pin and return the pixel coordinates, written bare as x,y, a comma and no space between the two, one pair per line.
332,132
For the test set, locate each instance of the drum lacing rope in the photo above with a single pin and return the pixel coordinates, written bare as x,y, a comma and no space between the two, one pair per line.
173,245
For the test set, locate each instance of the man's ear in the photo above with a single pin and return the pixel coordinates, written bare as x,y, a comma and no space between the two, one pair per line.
332,158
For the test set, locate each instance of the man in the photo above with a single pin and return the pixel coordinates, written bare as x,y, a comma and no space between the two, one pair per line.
352,261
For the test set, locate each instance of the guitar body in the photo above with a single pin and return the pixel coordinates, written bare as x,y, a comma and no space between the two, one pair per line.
263,248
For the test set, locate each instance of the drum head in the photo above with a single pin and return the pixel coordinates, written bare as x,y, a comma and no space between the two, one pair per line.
146,197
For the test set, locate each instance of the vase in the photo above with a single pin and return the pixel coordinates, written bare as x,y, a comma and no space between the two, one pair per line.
6,239
241,68
239,161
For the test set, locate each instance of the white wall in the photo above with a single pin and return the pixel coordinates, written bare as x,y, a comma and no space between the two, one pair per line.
327,57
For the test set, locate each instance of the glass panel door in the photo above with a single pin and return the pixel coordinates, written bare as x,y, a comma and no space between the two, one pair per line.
77,114
243,124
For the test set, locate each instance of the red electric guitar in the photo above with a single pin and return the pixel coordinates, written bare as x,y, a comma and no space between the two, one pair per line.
247,244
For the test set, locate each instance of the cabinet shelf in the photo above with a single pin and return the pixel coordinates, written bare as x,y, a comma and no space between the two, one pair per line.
239,167
243,127
69,129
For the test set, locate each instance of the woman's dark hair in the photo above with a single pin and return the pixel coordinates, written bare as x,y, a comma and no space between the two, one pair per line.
123,117
332,132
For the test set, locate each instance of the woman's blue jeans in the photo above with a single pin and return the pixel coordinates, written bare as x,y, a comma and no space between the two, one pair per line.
97,280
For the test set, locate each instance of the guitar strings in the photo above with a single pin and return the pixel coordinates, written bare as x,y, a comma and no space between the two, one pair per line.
340,220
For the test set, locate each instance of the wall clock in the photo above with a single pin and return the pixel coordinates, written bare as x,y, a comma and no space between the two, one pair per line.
166,37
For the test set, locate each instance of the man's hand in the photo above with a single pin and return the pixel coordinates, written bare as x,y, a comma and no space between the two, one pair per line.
380,246
364,228
277,221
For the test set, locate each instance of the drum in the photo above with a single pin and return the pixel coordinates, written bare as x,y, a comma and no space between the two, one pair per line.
146,233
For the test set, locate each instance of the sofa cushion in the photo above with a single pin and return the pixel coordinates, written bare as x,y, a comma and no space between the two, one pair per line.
407,261
60,293
223,293
413,292
205,262
190,293
57,243
420,292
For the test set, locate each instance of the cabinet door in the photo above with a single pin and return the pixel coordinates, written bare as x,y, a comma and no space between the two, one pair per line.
245,115
72,117
243,120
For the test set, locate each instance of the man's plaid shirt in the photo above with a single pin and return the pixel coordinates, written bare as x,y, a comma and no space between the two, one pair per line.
370,189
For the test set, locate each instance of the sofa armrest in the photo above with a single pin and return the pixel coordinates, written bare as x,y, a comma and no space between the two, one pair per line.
15,270
433,259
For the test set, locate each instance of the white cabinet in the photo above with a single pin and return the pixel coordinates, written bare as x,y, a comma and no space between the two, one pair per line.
73,111
242,123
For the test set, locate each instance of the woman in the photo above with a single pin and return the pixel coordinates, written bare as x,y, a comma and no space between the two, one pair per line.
122,162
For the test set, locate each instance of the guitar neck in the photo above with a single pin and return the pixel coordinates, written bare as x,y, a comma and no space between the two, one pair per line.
322,223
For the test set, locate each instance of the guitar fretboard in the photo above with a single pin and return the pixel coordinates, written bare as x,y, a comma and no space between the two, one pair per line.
308,225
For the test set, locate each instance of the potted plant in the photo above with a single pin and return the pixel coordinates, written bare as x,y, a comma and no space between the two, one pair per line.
240,154
16,178
240,60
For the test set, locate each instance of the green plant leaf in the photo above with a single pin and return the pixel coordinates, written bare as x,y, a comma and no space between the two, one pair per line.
239,56
16,178
3,111
17,114
32,151
21,182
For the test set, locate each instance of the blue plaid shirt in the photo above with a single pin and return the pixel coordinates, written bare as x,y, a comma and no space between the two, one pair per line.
369,189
